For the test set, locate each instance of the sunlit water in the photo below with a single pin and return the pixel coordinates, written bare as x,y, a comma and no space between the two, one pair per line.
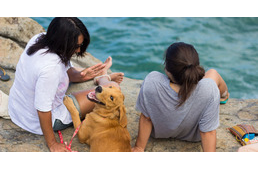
137,45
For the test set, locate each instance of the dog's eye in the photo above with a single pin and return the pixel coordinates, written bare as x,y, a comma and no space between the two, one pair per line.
111,97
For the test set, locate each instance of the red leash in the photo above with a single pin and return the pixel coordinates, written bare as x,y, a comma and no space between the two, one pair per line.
62,140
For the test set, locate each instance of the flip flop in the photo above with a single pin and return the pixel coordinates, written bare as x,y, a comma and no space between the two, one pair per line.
226,94
97,77
3,75
224,102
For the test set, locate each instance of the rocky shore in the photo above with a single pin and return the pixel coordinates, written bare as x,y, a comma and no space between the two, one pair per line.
15,33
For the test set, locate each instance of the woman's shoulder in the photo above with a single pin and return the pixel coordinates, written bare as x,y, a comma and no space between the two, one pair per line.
207,82
156,76
34,39
48,62
155,80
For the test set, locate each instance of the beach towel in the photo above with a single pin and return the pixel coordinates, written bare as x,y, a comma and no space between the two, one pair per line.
4,105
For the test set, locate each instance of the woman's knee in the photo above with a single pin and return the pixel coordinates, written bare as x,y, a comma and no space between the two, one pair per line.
211,72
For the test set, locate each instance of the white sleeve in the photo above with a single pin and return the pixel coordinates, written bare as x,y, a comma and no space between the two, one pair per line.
46,88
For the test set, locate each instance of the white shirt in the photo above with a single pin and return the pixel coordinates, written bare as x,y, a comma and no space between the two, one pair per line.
40,84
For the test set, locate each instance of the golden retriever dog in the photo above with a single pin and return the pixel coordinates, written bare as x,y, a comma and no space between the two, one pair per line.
105,128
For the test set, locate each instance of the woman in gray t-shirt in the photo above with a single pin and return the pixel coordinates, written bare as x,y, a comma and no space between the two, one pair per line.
184,103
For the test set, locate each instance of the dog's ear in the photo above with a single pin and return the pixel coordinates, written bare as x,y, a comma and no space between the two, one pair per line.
122,114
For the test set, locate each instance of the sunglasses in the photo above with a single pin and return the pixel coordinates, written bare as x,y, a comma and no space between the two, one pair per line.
79,45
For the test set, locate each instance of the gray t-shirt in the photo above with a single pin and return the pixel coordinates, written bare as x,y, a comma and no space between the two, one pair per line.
158,101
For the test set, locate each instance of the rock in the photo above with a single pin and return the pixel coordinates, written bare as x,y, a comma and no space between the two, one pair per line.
14,35
10,53
13,138
19,29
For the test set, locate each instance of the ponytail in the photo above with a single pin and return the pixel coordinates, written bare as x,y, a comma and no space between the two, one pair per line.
182,61
188,81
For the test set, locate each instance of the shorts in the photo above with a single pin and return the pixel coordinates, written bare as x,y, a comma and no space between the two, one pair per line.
58,125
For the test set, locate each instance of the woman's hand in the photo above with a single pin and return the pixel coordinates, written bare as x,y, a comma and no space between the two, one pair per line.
45,119
82,75
137,149
93,71
58,147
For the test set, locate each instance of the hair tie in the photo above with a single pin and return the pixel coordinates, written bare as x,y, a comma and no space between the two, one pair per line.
189,66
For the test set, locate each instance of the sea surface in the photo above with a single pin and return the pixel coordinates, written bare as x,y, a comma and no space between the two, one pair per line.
137,45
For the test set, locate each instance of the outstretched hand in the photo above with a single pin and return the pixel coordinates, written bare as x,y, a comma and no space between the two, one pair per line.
93,71
82,75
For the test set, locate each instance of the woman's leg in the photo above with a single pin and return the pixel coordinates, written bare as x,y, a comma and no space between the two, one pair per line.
213,74
86,106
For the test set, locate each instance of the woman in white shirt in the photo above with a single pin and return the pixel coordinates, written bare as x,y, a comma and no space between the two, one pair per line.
42,77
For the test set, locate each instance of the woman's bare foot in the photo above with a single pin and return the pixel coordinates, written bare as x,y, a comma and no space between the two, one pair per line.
224,96
108,64
117,77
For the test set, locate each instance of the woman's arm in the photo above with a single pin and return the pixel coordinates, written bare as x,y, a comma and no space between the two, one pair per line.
82,75
145,127
208,141
47,129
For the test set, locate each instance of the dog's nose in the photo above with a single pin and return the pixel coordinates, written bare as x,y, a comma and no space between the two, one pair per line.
98,89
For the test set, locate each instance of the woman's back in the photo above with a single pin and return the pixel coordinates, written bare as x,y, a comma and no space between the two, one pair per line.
159,101
40,84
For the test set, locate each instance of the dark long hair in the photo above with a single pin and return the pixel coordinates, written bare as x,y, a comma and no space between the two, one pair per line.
182,61
62,38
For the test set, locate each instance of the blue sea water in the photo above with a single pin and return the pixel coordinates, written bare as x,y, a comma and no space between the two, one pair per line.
137,45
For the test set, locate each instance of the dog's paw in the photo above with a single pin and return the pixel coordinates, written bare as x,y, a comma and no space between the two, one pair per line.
67,101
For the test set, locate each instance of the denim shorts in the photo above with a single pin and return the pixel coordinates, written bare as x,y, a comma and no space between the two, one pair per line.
58,125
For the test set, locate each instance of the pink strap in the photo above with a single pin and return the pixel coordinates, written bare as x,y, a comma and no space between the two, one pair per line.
62,140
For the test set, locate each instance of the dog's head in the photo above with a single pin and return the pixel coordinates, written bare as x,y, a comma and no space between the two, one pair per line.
111,99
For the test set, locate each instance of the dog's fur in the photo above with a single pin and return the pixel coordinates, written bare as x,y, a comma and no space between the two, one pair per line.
105,128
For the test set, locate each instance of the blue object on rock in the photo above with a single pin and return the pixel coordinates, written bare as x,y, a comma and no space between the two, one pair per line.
250,136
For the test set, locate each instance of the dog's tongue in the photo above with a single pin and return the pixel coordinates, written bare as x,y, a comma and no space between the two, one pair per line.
92,96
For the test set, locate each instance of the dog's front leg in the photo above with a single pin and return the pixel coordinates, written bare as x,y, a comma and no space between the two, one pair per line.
68,102
82,133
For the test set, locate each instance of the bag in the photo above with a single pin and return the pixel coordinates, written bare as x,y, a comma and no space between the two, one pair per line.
245,134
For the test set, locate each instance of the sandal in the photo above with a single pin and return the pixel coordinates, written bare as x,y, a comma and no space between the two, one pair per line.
224,102
3,75
97,77
225,95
